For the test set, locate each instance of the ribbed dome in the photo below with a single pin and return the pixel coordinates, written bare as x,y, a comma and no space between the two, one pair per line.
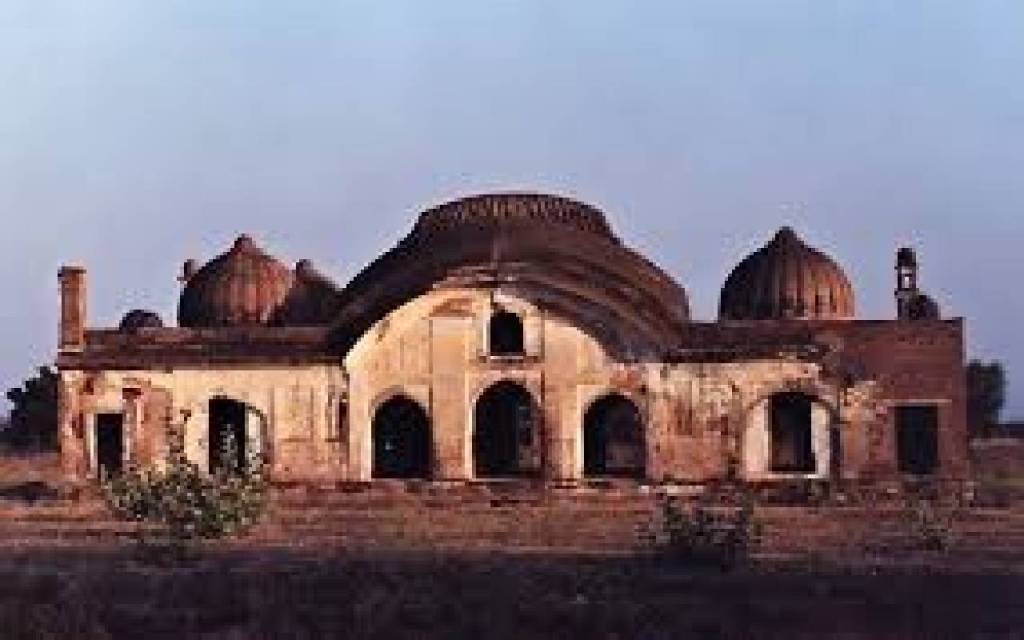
243,287
786,279
140,319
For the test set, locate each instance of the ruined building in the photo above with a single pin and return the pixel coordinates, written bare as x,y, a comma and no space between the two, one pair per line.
516,336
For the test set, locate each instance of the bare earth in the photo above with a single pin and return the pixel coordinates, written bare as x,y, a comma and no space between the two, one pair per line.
74,588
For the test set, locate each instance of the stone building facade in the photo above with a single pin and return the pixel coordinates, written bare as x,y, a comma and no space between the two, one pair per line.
515,336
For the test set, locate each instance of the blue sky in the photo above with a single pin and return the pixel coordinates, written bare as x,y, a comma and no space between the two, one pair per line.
134,135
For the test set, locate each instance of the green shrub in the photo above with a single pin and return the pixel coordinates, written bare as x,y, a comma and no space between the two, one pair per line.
180,505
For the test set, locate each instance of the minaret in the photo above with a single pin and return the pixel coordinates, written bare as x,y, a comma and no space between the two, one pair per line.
906,282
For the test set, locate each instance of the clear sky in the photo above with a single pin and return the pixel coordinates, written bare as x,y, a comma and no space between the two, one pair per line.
134,135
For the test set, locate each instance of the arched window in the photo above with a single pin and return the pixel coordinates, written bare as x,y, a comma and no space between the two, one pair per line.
791,445
613,439
401,440
506,334
503,434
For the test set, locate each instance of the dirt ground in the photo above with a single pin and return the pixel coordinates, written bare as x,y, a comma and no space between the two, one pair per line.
318,594
249,593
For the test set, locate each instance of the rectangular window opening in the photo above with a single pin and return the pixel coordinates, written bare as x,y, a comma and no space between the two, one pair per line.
917,439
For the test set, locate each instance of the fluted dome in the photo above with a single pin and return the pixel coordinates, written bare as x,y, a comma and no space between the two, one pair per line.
786,279
137,319
243,287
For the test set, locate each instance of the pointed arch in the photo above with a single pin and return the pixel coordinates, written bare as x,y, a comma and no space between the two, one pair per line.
613,438
505,432
401,440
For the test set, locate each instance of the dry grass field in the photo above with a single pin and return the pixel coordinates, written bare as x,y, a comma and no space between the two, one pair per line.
85,585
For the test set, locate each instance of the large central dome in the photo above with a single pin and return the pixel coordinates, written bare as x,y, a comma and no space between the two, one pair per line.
545,243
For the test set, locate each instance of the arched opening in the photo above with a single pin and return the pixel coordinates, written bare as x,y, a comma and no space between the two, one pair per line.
506,334
228,437
792,446
613,438
401,440
504,438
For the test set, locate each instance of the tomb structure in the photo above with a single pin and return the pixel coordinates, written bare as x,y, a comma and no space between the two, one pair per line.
515,336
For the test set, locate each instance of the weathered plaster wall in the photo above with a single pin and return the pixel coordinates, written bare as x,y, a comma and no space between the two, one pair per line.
292,415
702,420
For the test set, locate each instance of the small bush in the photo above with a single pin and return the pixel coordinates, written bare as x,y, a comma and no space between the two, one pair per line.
929,528
181,505
704,534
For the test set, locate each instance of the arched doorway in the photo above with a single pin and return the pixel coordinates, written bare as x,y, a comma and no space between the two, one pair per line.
401,440
504,434
228,440
613,438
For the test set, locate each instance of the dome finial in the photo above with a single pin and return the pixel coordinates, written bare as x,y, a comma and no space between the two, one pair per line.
786,234
244,243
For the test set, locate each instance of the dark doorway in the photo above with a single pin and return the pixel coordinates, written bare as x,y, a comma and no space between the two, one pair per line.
110,444
503,435
228,441
506,331
917,439
401,440
613,439
791,433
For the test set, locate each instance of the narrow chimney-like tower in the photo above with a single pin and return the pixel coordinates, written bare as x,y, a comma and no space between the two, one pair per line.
906,282
71,335
188,270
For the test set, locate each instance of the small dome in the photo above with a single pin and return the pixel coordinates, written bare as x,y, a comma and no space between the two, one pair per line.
313,299
923,307
140,319
786,279
243,287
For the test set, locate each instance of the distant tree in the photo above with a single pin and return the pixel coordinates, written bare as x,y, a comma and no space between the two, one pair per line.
33,420
986,393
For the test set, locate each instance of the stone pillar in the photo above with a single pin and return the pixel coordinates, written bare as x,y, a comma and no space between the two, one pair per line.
74,463
71,332
450,399
359,445
135,450
757,451
558,414
91,466
821,439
